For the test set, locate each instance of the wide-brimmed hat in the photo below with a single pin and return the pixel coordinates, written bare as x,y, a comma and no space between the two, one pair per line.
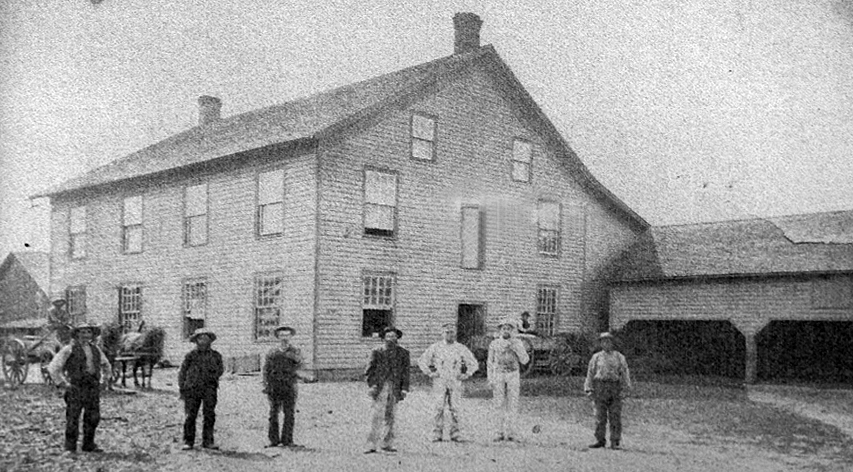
508,321
201,331
284,328
605,335
96,330
59,301
389,329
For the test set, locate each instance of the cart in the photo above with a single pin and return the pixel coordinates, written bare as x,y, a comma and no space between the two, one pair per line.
19,351
555,354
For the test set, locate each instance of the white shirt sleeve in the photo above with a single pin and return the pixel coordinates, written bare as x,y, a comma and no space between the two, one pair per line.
57,365
426,359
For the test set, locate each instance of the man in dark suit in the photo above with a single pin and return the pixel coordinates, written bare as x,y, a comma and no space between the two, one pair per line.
388,379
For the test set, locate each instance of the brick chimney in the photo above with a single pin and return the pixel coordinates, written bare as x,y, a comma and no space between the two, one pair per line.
208,109
467,26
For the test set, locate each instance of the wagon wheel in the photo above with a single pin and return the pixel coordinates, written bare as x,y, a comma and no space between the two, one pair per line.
44,360
562,359
14,362
526,369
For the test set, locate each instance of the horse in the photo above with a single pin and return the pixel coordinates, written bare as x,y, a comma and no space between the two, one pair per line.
143,346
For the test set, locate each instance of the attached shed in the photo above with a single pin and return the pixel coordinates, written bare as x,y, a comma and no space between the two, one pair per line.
774,279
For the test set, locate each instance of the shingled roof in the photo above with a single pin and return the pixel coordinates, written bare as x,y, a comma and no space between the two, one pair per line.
807,243
36,263
310,118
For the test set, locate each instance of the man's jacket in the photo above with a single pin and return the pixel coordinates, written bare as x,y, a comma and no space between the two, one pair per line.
389,365
200,371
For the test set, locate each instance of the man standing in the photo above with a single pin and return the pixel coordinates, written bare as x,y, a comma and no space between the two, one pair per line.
280,379
388,378
77,368
443,362
506,354
606,378
198,381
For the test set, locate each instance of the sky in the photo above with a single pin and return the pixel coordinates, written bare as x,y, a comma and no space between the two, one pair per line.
688,111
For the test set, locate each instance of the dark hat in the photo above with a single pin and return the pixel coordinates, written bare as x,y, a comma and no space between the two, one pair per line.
389,329
201,331
284,328
59,301
96,330
525,315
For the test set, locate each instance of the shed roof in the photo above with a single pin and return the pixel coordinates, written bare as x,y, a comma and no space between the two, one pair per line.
36,263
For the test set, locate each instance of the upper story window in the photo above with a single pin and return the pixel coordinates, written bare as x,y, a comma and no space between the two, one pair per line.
194,295
77,232
76,298
548,215
130,306
380,202
377,303
546,310
522,156
271,203
472,238
195,215
132,225
423,137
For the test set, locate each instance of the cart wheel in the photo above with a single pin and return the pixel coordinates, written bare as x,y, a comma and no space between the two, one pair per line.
562,359
14,362
44,359
526,369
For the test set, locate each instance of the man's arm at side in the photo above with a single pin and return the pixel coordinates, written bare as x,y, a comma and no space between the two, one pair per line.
57,364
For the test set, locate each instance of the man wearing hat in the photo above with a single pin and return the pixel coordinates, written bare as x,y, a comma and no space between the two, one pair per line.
388,378
59,320
443,362
198,381
279,380
606,378
506,354
77,368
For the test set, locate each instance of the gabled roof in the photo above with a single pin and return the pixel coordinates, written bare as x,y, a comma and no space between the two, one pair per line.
322,114
37,264
796,244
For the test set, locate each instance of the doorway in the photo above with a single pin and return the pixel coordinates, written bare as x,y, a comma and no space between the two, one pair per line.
471,322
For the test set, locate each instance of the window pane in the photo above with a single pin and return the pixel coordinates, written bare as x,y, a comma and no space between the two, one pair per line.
521,151
272,218
78,220
197,230
423,127
379,217
422,149
374,320
380,188
133,239
549,215
471,238
520,171
270,187
78,245
196,203
133,210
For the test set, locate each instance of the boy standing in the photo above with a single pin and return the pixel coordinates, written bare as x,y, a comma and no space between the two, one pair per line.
506,354
606,377
198,381
280,379
82,363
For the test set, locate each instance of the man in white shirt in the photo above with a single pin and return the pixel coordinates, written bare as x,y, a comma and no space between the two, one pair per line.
506,354
606,379
82,361
443,362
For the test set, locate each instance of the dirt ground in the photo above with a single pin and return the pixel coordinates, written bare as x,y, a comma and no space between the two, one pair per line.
664,430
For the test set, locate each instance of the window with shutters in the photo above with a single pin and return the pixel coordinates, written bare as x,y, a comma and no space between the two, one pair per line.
195,215
194,297
522,158
380,202
472,237
77,233
423,137
132,225
75,297
548,215
270,203
130,306
269,296
377,303
546,310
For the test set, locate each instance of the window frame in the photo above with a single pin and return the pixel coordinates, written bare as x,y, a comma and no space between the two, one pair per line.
188,218
539,229
125,228
259,206
77,316
185,323
413,138
391,307
514,161
278,305
481,236
72,236
394,214
552,320
122,318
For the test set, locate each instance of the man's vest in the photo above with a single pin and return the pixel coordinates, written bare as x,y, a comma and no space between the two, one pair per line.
75,366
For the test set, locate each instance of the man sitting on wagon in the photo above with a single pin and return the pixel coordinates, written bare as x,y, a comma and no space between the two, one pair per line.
59,321
526,326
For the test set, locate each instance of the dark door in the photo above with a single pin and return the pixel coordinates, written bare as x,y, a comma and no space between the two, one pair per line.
471,322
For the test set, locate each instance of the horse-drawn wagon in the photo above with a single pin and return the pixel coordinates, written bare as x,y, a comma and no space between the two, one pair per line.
555,354
21,346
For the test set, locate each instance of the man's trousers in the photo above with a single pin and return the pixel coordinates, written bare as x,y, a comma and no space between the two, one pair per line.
446,395
382,424
85,399
284,401
206,400
607,395
506,387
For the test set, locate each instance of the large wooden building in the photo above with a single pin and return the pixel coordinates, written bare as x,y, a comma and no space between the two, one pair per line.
437,193
784,284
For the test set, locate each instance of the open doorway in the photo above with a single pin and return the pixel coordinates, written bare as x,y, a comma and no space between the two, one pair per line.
471,322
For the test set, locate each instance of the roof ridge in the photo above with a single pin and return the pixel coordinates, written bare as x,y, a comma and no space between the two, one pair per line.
753,218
